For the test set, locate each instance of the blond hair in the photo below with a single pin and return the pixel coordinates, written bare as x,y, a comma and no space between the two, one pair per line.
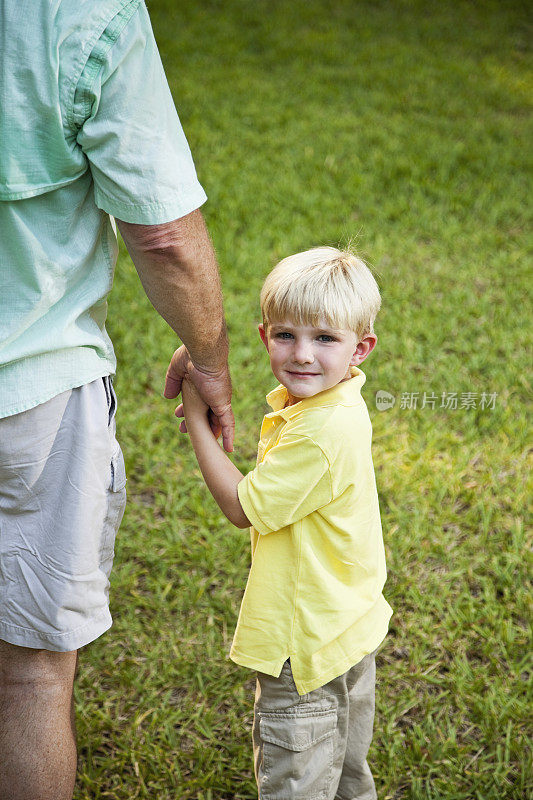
322,284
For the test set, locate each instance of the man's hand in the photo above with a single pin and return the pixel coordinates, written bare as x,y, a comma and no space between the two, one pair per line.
214,388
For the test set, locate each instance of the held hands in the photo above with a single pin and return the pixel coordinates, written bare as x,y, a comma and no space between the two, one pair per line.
194,409
220,474
192,402
204,393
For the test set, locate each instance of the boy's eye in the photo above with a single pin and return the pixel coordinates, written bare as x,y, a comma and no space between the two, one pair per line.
283,335
325,337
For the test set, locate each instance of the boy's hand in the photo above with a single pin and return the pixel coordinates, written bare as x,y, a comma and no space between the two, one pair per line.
192,402
194,406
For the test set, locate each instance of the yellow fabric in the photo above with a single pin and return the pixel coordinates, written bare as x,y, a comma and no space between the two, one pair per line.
314,593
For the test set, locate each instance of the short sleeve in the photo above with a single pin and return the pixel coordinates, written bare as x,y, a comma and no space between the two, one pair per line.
129,129
293,481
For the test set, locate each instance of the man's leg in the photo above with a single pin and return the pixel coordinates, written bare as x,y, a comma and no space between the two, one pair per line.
37,731
62,496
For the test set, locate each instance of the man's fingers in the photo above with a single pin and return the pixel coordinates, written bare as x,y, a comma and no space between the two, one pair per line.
176,371
172,386
214,423
227,423
228,434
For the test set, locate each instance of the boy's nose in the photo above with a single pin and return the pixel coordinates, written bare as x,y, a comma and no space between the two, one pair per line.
303,353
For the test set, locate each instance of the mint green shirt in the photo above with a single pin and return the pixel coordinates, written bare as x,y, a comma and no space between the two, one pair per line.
88,129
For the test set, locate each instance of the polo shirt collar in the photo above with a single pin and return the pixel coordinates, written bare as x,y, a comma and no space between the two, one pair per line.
346,393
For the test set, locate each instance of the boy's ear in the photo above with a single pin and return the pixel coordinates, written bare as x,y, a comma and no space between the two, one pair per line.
363,349
263,335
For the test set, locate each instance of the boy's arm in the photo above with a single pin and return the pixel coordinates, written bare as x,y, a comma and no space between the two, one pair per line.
220,474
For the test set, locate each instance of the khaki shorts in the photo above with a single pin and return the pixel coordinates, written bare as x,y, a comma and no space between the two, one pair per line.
314,746
62,497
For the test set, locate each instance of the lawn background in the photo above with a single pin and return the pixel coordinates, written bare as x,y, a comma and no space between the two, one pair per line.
401,127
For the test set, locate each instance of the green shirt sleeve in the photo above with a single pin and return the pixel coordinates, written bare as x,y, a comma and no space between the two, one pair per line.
291,482
129,129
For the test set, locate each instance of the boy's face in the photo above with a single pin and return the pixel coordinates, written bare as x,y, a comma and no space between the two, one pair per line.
309,360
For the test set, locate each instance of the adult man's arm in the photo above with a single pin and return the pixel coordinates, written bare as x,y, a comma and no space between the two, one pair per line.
178,270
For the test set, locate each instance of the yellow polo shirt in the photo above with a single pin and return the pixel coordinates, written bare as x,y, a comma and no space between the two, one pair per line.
314,593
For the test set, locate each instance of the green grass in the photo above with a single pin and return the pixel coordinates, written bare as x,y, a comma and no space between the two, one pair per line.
402,126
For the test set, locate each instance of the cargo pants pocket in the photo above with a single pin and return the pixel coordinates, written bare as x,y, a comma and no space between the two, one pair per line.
296,762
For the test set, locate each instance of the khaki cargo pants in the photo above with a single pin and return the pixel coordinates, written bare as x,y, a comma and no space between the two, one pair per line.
314,746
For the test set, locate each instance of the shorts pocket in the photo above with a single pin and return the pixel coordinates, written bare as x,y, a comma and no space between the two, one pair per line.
297,757
116,503
118,472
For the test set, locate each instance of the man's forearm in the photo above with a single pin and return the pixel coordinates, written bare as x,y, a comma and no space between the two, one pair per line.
178,270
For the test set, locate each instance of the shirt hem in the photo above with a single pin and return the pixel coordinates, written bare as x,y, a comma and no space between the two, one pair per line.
342,666
149,213
306,686
268,667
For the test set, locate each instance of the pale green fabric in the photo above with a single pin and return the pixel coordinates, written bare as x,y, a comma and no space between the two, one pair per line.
88,129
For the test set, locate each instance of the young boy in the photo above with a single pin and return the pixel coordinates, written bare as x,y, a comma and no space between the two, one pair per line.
313,612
